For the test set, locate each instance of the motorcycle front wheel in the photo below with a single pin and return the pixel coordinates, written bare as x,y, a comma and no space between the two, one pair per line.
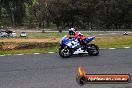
93,50
65,52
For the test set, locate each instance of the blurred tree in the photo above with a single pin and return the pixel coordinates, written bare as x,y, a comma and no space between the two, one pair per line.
15,10
84,14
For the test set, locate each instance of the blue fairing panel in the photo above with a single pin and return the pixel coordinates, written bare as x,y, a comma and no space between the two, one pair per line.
89,39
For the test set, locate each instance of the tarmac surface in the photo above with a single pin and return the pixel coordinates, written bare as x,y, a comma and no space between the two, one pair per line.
52,71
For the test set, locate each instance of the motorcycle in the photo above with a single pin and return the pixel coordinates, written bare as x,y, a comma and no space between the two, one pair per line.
71,46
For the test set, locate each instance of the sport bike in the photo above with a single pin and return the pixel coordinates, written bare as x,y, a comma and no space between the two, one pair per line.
71,46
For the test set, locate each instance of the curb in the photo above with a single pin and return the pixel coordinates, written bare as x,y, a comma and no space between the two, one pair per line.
56,52
115,48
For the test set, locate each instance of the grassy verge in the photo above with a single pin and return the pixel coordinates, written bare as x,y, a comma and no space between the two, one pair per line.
113,41
57,35
102,42
29,51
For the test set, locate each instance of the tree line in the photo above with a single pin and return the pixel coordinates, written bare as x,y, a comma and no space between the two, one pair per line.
84,14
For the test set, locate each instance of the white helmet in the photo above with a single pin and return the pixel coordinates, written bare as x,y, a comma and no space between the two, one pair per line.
71,31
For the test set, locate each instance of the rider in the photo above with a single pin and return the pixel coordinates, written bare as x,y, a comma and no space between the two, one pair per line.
77,34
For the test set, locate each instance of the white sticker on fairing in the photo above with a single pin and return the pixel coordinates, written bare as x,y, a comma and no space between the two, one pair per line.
73,44
80,51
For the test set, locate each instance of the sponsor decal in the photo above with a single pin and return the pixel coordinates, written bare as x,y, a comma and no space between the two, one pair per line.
84,78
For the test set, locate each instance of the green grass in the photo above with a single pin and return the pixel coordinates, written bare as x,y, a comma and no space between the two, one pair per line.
45,35
113,41
56,34
28,51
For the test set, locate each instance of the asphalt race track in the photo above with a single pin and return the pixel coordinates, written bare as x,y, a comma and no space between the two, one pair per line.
52,71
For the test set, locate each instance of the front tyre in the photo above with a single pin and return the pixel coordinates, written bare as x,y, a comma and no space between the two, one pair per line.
93,50
65,52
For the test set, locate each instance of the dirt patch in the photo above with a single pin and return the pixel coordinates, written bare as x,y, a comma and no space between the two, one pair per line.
18,40
27,45
7,46
18,43
36,45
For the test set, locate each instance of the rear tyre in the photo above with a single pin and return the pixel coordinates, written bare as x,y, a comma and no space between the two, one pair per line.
65,52
93,50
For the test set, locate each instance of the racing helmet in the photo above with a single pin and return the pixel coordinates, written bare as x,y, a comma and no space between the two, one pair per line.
71,31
